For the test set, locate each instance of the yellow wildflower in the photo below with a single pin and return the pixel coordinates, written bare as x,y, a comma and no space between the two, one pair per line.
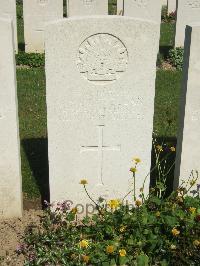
133,170
196,243
114,203
137,160
84,243
192,210
138,203
83,182
157,214
122,252
122,228
110,249
74,210
175,232
173,149
85,258
159,148
173,247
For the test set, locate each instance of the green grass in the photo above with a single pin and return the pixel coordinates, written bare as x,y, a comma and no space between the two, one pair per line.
167,33
33,125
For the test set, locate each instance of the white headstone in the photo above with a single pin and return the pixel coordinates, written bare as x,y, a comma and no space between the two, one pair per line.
143,9
87,7
188,11
10,172
37,13
120,7
171,6
8,10
100,74
188,148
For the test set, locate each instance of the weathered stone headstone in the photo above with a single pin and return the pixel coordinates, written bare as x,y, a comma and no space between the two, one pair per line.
188,148
120,7
87,7
171,6
100,74
37,13
143,9
10,172
8,10
188,11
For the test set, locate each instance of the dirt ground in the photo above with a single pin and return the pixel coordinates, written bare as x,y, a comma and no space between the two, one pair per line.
11,233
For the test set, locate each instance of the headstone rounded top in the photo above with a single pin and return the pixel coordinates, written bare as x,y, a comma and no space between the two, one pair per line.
102,58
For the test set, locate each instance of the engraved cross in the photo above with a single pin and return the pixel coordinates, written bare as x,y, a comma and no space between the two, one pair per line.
100,148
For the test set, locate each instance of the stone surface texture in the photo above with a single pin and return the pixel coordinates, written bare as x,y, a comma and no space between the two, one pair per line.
188,148
143,9
87,7
171,6
37,13
100,74
10,170
188,11
8,10
120,7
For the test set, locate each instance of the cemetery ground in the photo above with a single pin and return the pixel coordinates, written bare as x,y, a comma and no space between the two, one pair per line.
33,134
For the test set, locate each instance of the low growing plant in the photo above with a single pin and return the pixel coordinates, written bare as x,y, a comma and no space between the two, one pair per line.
155,230
176,57
31,60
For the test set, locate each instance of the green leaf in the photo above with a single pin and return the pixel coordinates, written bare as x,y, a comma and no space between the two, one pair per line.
142,260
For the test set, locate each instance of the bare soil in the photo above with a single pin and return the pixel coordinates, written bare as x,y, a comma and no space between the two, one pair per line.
12,232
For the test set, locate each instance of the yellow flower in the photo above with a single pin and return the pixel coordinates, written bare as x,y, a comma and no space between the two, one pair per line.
138,203
159,148
173,149
137,160
122,252
192,210
74,210
84,243
173,247
122,228
196,243
133,170
85,258
175,232
83,182
157,214
110,249
114,203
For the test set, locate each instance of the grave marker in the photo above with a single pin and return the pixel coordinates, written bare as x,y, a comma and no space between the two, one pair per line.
143,9
171,6
188,148
188,11
100,101
8,10
10,172
87,7
37,13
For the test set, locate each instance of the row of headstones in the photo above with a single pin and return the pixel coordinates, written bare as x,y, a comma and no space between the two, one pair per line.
100,106
39,12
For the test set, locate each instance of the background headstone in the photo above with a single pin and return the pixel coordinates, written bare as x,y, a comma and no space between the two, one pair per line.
8,10
143,9
87,7
164,2
120,7
36,14
171,6
10,172
188,148
100,74
188,11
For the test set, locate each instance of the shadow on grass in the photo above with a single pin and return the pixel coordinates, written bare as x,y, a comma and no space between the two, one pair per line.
21,47
37,154
170,142
164,51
